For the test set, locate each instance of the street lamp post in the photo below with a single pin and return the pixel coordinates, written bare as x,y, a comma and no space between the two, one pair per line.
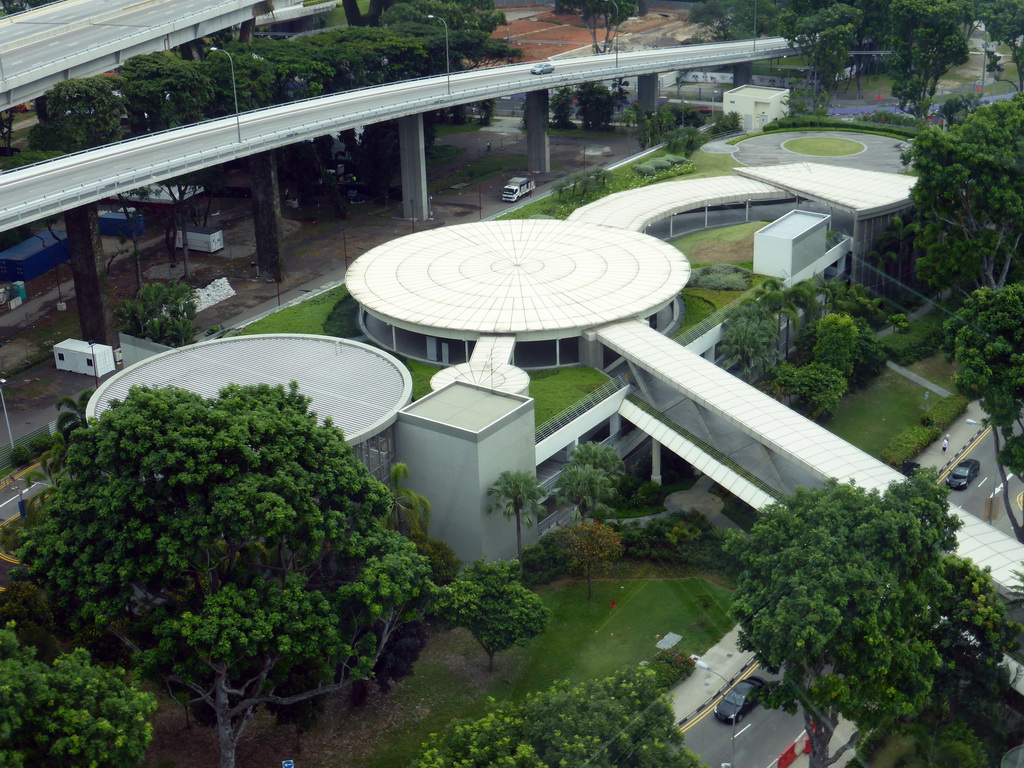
615,43
447,57
701,664
755,25
234,91
3,399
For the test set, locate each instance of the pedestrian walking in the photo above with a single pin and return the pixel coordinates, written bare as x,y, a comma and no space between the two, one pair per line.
945,443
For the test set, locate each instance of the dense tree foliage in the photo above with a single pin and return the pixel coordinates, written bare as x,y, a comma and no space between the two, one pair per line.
1004,22
927,38
588,547
489,600
161,312
623,721
986,338
853,596
970,193
69,714
228,541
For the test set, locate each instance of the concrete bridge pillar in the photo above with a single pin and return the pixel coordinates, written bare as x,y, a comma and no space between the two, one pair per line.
655,461
415,200
647,91
742,74
538,153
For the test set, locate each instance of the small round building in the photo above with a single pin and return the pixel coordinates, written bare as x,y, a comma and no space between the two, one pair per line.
434,294
360,388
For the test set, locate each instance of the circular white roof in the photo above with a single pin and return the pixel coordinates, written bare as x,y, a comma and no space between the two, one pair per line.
503,377
530,277
358,386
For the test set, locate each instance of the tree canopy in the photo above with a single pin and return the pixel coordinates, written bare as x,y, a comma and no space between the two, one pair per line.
845,591
489,600
227,541
623,721
970,193
71,714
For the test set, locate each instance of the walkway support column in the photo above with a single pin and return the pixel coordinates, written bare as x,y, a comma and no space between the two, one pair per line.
415,201
647,91
266,214
742,74
655,461
538,152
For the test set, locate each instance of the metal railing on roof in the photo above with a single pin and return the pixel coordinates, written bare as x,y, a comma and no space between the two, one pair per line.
716,318
834,239
709,449
578,408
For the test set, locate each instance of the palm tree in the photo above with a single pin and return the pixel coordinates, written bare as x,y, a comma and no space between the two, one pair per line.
587,488
49,473
750,339
71,413
517,493
410,511
599,456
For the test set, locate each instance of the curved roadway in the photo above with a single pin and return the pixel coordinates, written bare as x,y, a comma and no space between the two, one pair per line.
45,189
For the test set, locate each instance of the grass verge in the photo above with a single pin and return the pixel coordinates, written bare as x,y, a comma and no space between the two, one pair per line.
305,317
869,419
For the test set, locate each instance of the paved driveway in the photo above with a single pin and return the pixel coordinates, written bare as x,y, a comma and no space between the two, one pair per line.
880,153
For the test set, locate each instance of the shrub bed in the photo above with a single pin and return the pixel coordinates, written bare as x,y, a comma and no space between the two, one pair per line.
817,123
922,339
670,666
911,441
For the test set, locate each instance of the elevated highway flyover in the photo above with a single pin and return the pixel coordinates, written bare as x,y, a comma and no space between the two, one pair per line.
46,189
82,38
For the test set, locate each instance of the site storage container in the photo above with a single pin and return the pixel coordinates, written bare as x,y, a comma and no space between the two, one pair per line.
33,257
81,356
113,223
204,239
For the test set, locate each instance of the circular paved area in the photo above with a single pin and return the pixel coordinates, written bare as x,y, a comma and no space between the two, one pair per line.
530,277
881,152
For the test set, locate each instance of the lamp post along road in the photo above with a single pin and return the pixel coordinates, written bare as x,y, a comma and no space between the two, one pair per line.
701,664
447,57
3,400
615,42
234,91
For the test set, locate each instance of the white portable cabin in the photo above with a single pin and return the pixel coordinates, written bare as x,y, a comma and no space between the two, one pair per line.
203,239
80,357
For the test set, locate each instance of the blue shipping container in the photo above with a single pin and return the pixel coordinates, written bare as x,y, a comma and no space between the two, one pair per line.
115,223
33,257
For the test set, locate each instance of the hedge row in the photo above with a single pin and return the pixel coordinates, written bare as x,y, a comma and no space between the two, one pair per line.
909,443
817,123
922,339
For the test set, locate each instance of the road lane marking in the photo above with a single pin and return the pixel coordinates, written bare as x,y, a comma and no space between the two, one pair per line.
740,732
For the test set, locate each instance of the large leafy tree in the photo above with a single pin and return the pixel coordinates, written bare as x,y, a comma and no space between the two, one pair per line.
517,494
601,18
227,541
1004,22
825,37
623,721
162,90
927,38
71,714
846,592
489,600
986,337
970,193
588,547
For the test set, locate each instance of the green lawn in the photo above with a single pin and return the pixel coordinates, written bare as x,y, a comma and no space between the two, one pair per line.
697,309
584,640
439,154
305,317
711,164
937,369
690,244
819,147
421,375
579,133
869,419
447,129
555,390
590,639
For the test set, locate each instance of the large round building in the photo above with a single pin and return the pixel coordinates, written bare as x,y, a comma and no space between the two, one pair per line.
360,388
433,295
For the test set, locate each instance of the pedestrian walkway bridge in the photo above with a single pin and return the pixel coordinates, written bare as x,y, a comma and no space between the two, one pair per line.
752,445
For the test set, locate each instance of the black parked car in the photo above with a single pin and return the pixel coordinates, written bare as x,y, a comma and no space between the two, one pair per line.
963,473
740,700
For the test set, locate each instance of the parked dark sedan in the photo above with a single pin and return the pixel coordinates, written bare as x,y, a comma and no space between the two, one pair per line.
963,473
740,700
